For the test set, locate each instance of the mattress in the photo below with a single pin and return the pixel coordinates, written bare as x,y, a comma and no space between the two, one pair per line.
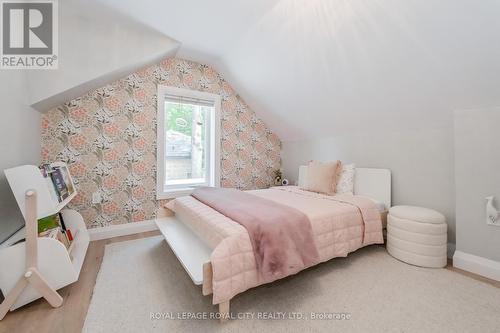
380,205
338,226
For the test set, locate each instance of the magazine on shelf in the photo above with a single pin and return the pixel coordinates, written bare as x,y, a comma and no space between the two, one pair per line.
46,169
58,181
67,180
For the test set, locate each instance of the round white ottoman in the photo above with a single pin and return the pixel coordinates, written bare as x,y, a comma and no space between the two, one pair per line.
417,236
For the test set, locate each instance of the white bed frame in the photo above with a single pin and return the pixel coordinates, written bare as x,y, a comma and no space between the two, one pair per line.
194,254
368,182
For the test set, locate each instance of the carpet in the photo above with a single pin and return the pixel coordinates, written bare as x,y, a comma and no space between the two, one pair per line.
142,287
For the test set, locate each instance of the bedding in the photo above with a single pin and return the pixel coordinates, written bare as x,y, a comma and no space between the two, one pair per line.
281,235
380,205
340,224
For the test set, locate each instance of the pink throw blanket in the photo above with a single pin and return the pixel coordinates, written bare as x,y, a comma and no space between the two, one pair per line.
281,236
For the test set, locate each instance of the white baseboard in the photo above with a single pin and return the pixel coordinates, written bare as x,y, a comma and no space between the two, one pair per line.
122,230
477,265
451,250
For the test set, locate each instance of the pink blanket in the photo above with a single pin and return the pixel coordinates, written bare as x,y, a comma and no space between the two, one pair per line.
281,236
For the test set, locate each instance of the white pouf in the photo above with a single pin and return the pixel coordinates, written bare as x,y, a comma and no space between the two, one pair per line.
417,236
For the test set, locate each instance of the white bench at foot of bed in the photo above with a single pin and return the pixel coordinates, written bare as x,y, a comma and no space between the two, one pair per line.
189,249
193,254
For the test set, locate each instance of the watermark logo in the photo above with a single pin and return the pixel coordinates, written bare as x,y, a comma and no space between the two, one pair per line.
29,34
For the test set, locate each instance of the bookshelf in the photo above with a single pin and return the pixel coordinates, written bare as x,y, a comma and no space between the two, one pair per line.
57,265
27,177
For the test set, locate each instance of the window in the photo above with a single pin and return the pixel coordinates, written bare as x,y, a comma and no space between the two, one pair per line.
188,141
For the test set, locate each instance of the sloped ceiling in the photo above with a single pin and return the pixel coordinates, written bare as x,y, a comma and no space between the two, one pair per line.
317,68
95,48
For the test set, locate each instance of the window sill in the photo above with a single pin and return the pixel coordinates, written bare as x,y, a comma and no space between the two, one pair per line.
174,193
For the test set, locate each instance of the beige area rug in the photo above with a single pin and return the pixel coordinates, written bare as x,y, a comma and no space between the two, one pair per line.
369,291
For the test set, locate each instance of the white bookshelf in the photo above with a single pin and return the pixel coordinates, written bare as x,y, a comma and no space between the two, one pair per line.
58,265
27,177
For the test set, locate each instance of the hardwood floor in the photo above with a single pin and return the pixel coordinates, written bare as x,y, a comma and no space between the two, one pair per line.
40,317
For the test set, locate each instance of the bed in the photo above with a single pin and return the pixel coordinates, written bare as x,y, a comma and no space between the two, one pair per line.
216,251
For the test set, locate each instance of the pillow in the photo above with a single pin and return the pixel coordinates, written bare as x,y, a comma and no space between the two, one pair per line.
345,184
322,177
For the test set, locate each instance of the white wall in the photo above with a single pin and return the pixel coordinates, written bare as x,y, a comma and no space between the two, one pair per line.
19,141
421,161
96,46
477,175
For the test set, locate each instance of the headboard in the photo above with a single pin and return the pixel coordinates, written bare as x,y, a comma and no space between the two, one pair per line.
373,183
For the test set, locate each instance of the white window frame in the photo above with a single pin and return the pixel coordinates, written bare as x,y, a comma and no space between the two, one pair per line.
213,165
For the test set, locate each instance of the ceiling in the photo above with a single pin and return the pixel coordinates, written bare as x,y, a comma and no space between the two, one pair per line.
94,50
319,68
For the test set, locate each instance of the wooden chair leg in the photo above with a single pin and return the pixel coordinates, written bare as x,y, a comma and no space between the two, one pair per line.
224,311
12,296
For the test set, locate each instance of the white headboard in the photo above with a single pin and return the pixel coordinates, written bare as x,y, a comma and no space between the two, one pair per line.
373,183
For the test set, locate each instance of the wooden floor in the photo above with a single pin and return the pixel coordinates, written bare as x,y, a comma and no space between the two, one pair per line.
39,317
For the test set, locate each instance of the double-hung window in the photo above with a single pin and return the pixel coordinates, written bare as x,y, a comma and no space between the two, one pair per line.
188,141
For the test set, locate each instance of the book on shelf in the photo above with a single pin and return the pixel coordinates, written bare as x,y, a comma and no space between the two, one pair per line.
60,187
61,236
67,180
48,223
61,221
51,233
52,227
69,234
45,170
57,233
58,181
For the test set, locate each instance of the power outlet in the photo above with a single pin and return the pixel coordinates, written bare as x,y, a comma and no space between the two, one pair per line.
96,198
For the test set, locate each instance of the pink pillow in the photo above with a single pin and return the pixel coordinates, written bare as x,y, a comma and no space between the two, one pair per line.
345,181
322,177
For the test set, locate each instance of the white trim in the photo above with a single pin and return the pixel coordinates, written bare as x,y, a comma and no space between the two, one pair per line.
451,250
214,165
174,193
122,230
477,265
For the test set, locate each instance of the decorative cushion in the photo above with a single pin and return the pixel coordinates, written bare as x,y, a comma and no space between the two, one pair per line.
322,177
417,214
345,184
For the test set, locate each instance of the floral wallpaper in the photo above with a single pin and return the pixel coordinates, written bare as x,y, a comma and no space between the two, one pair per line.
108,139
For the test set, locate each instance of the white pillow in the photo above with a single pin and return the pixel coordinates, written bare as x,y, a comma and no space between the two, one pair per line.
345,184
322,177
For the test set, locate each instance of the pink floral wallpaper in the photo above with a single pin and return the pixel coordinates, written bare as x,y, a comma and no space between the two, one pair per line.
108,139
